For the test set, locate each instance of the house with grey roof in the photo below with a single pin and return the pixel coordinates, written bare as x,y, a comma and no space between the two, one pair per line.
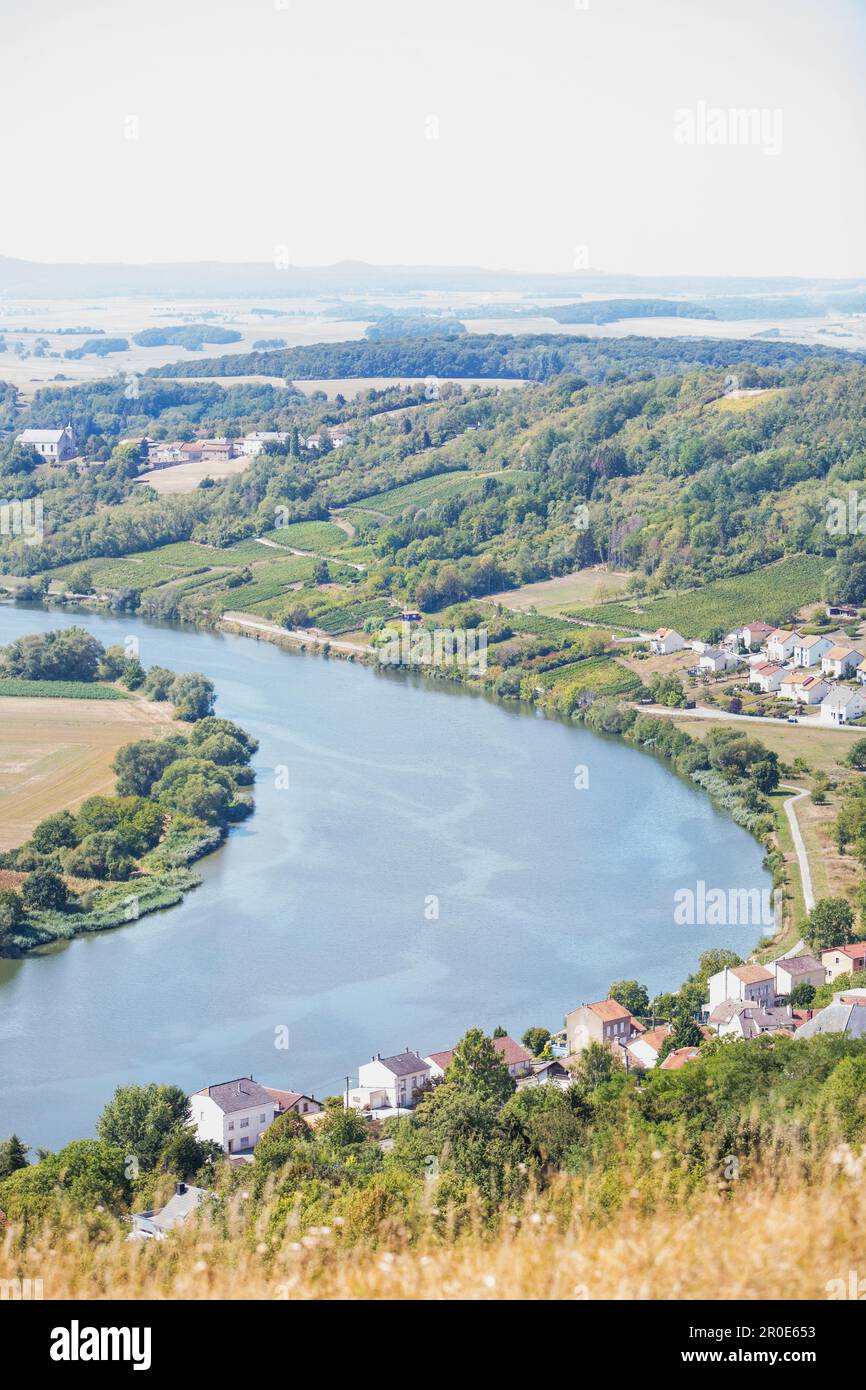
389,1083
233,1114
155,1225
846,1015
740,1018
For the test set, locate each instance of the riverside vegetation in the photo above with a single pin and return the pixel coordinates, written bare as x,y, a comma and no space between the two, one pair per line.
118,857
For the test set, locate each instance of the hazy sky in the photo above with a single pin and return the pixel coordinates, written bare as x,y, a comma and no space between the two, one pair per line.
533,136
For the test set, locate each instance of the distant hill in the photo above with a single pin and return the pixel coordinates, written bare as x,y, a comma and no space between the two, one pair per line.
21,279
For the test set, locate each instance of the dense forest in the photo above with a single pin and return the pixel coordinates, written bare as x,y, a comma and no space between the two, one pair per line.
536,357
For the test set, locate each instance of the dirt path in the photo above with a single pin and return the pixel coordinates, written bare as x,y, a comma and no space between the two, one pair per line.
299,635
311,554
799,843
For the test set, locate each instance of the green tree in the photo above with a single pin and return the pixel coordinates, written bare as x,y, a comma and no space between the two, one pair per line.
44,890
830,923
140,1120
13,1155
55,832
476,1066
11,912
632,995
536,1040
765,775
802,996
856,757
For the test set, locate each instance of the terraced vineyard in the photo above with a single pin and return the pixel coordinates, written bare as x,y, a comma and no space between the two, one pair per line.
772,594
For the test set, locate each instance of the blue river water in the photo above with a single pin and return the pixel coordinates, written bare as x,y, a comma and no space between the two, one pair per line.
420,861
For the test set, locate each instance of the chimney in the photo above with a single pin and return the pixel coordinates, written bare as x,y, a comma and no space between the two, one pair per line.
180,1188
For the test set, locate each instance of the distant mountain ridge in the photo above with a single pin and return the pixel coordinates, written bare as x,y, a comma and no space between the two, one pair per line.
20,279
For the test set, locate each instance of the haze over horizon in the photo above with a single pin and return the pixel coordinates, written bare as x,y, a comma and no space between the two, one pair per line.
491,136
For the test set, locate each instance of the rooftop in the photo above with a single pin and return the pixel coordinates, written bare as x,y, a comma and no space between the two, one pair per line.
241,1094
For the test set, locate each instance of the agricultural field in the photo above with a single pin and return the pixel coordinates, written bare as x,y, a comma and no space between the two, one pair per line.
321,536
427,491
772,593
185,477
56,752
552,596
593,673
14,688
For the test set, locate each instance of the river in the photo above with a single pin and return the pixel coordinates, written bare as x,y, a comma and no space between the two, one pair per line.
316,923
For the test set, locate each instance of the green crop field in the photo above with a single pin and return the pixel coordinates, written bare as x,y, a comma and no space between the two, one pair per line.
593,673
350,616
771,594
59,690
323,536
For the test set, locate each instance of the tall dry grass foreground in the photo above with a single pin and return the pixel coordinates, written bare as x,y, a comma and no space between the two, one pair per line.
759,1240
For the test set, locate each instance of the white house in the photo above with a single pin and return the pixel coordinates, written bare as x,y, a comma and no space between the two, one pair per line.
294,1101
745,1020
805,689
810,650
839,661
665,641
755,634
389,1083
844,703
252,444
340,435
766,676
781,643
714,659
645,1048
155,1225
750,983
790,971
53,445
234,1114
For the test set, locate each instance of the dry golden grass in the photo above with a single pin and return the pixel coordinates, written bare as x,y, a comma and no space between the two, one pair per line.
754,1240
55,753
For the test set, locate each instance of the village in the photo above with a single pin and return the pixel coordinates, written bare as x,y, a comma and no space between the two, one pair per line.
746,1002
822,677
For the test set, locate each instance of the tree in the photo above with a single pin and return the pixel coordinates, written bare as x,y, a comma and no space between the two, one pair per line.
830,923
857,755
536,1040
632,995
476,1066
595,1067
184,1154
81,580
45,890
765,775
55,832
140,765
686,1033
13,1155
11,912
802,996
192,695
140,1120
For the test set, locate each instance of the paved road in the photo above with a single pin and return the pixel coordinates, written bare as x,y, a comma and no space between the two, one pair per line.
705,713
